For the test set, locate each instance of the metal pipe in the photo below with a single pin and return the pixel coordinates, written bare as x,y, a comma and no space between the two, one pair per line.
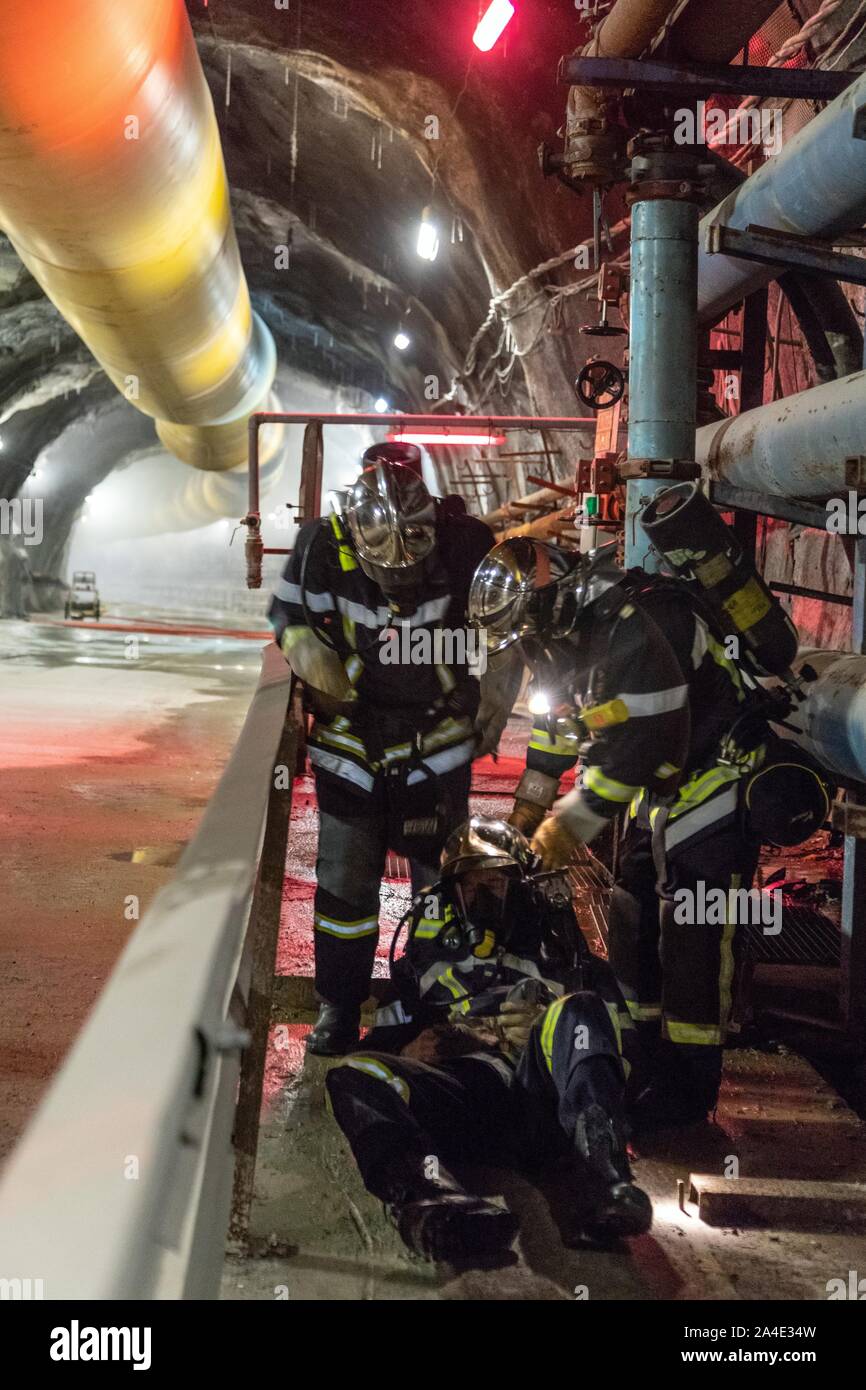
114,195
630,27
831,721
809,445
815,187
663,349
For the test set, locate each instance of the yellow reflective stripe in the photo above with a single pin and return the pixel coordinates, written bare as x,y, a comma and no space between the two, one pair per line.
291,637
700,787
362,926
613,1014
607,787
667,770
643,1013
560,746
548,1029
347,559
726,965
349,630
451,984
706,1035
447,732
340,740
397,753
372,1066
354,668
721,658
427,928
446,678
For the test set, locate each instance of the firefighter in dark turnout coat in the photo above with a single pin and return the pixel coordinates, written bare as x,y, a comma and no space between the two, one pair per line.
369,613
644,693
505,1046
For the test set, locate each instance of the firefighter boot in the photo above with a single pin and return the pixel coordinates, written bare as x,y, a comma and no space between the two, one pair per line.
619,1208
336,1030
437,1218
684,1090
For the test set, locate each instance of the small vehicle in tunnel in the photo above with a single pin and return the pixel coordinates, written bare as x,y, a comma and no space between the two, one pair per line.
83,598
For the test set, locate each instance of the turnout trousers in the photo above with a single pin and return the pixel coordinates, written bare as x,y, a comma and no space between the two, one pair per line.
355,834
677,976
479,1108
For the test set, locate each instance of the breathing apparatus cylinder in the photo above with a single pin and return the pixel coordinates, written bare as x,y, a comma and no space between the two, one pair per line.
688,532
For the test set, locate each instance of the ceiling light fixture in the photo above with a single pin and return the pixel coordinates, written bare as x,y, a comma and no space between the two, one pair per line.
401,340
381,405
445,434
428,237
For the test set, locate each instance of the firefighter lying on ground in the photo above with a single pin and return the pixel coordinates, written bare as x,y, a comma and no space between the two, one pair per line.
392,743
503,1048
669,730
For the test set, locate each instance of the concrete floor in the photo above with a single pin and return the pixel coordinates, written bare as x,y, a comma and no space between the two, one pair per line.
110,746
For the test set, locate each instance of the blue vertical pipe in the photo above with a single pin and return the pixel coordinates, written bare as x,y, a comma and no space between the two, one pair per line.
662,349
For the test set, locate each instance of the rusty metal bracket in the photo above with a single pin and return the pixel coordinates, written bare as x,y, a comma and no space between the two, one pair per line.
768,246
597,475
692,80
679,470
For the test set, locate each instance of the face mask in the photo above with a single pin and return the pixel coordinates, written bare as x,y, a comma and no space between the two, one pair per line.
482,896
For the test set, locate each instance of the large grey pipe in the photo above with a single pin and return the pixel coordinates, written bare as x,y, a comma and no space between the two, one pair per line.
831,721
815,187
807,445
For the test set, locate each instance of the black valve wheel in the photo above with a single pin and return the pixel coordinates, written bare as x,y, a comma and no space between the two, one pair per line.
600,385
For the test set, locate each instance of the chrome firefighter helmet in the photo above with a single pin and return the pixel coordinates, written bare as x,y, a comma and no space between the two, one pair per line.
391,518
392,452
482,862
526,588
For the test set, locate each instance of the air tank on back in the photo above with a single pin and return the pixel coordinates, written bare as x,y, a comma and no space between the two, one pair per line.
690,535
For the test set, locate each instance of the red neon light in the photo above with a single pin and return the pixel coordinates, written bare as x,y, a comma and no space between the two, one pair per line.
492,23
445,436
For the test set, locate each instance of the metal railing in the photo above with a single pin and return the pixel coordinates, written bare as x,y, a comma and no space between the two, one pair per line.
312,454
121,1187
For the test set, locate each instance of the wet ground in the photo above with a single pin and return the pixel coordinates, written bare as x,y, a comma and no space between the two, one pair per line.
111,741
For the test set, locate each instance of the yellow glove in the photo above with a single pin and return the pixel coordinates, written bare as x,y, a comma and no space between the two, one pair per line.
516,1019
526,817
554,845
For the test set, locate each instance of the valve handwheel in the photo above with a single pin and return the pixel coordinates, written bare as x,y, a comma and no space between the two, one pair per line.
600,384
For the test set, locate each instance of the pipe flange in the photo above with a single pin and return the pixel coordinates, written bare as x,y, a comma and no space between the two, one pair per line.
676,190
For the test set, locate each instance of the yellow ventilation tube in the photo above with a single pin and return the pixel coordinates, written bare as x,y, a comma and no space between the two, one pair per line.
114,194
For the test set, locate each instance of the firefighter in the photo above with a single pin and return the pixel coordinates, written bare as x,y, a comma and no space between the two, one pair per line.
503,1047
644,692
392,741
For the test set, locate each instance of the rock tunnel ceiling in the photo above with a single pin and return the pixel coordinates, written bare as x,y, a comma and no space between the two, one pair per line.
327,150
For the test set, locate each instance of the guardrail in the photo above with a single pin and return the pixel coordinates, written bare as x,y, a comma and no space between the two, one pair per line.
121,1187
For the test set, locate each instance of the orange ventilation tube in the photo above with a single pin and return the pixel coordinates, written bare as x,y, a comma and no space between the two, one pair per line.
113,192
